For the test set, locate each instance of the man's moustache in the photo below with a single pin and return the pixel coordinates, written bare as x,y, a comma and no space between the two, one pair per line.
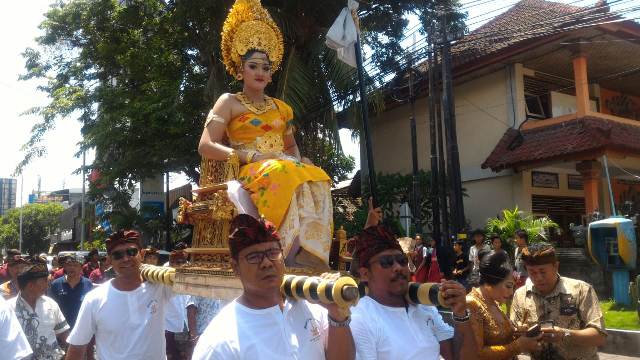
400,276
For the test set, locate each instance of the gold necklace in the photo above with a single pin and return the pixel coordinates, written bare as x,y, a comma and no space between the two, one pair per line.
257,109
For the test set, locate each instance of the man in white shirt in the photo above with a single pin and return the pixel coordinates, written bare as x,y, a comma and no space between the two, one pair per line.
13,343
261,324
385,326
125,314
40,316
478,246
176,312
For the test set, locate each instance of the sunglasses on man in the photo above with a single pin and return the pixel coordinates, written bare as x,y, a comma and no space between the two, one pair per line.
120,254
387,261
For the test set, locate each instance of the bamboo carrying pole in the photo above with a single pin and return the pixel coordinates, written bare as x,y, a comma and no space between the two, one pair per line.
344,291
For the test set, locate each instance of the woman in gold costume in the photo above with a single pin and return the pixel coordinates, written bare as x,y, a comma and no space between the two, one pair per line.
495,335
286,188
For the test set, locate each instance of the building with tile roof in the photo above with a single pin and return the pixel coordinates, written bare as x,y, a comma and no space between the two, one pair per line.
541,92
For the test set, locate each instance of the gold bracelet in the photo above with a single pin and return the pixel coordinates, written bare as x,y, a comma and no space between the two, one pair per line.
250,154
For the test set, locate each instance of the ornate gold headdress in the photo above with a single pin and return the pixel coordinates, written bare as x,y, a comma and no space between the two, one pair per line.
249,26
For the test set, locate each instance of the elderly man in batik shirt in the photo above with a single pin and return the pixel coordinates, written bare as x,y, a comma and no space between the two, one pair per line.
568,309
40,316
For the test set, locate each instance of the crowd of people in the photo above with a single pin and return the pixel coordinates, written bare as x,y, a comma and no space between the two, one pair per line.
543,314
85,313
51,312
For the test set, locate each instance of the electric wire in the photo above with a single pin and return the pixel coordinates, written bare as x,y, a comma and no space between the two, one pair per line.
623,169
378,77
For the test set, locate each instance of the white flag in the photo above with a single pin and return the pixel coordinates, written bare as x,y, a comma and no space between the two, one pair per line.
342,35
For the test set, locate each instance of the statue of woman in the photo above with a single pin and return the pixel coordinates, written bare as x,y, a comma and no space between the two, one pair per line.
286,188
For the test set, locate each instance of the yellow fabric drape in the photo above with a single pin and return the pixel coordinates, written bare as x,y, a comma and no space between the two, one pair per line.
270,182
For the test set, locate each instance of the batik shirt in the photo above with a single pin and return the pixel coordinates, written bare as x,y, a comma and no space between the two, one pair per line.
41,325
207,309
573,304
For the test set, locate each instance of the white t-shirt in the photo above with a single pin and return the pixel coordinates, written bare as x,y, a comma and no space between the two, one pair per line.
390,333
13,343
127,324
473,256
176,314
41,325
299,331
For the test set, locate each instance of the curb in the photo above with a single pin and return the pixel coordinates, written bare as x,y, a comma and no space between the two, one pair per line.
622,342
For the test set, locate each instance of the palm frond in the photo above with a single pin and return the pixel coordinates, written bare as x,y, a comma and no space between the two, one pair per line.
512,220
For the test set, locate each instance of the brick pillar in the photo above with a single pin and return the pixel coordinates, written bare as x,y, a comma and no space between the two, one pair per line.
591,172
582,85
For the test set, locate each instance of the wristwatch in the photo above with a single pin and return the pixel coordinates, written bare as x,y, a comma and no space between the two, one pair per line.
566,335
462,319
344,323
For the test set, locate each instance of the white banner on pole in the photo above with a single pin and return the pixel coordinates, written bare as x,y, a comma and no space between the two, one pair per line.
342,35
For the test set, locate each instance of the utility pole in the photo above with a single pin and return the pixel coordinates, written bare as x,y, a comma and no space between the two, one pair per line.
21,209
82,209
364,103
453,157
414,152
168,212
442,188
435,203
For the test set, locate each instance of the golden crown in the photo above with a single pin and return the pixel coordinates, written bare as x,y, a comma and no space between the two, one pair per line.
250,27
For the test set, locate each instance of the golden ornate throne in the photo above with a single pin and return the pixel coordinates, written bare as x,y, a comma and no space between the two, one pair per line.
209,270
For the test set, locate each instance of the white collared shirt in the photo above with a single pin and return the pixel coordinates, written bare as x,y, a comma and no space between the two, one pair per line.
41,325
396,333
299,331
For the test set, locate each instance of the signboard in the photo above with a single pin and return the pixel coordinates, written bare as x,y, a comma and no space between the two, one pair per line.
545,180
152,197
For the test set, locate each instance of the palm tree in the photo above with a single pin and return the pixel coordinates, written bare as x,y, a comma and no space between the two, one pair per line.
514,219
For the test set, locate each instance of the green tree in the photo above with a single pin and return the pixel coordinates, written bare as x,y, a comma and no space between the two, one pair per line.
393,190
514,219
142,74
38,222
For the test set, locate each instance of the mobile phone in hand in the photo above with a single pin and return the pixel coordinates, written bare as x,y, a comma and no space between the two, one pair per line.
534,331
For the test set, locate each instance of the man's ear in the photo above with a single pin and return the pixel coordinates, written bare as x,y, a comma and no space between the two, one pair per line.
364,273
235,266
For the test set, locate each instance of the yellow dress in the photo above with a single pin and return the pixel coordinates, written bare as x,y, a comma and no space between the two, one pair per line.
296,197
495,337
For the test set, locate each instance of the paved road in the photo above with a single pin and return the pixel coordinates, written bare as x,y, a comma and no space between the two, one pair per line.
603,356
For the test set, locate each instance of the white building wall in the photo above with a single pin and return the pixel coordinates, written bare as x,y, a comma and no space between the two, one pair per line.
483,106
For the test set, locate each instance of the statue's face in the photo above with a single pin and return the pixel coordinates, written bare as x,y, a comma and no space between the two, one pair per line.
256,71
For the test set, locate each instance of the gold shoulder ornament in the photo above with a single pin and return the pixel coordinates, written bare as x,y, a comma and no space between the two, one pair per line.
249,26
